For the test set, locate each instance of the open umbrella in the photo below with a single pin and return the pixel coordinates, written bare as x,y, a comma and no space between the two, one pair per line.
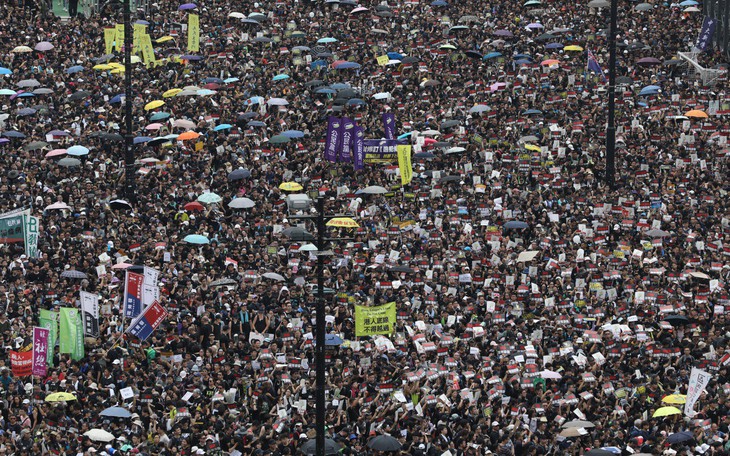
548,374
290,186
273,276
194,206
577,424
598,452
657,233
223,283
573,432
120,204
43,46
241,203
58,206
515,225
77,151
60,397
343,222
677,320
373,190
56,153
210,198
298,234
73,274
333,340
188,135
697,114
279,139
198,239
675,399
402,269
116,412
309,448
666,411
153,105
99,435
238,174
69,162
680,437
35,145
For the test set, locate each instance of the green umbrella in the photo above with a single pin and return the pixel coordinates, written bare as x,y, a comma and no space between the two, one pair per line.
279,139
210,198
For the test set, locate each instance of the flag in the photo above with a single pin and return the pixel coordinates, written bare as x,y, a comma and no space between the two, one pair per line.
706,34
40,351
389,125
698,380
71,333
49,321
110,35
404,164
133,294
358,149
332,138
90,309
145,324
193,33
346,131
594,66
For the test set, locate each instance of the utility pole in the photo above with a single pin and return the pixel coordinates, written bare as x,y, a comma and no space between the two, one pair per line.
130,190
611,130
319,348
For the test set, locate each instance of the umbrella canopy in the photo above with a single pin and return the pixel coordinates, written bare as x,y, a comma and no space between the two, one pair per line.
679,437
238,174
644,7
290,186
373,190
69,162
59,206
515,225
657,233
677,320
598,4
666,411
573,432
210,198
578,424
298,234
120,204
343,222
188,135
333,340
273,276
99,435
675,399
194,206
598,452
548,374
77,151
309,448
60,397
697,114
279,139
153,105
184,123
241,203
73,274
223,283
222,127
649,61
56,153
43,46
197,239
116,412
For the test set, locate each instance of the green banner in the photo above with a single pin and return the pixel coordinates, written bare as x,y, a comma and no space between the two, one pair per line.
31,235
11,229
71,333
49,320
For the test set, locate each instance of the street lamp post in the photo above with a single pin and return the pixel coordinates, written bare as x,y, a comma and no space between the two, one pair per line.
130,191
611,130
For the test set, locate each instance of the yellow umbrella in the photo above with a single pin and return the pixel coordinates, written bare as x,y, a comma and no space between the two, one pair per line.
117,70
171,93
666,411
573,47
533,147
103,67
164,39
60,397
21,49
696,113
343,222
290,187
675,399
153,105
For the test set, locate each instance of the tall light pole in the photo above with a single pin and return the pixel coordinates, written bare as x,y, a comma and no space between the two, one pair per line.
130,190
611,130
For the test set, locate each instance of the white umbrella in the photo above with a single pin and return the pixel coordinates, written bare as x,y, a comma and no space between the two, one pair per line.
277,102
430,133
274,276
60,205
237,15
382,96
308,248
578,424
183,123
374,190
99,435
241,203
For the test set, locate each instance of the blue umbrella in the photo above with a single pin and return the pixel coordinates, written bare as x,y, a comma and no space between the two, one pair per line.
523,62
160,116
439,3
405,135
222,127
117,98
356,102
116,412
13,134
530,112
140,140
522,56
515,224
326,40
649,90
395,56
74,69
141,22
317,64
492,55
77,151
332,340
340,86
171,136
348,66
192,58
198,239
4,71
293,134
281,77
424,155
213,81
26,112
689,3
230,80
26,95
253,101
256,123
325,90
554,46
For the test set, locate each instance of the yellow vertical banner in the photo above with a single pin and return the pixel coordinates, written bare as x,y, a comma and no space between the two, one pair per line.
370,321
193,33
109,35
148,53
120,36
139,30
404,164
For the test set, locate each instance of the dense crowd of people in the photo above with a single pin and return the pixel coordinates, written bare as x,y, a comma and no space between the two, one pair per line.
529,293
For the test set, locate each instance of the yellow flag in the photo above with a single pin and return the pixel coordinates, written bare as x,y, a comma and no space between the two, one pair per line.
383,60
370,321
120,36
404,164
193,33
139,30
109,35
148,54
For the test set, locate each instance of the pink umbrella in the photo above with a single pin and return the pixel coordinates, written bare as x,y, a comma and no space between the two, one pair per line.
153,126
359,9
43,46
56,153
497,86
121,266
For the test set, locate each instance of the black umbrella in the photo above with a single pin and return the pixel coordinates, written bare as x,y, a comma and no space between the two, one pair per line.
451,179
298,234
310,447
73,274
314,83
223,283
248,115
80,95
35,145
679,437
120,205
598,452
545,37
157,141
449,123
114,137
238,174
515,225
384,443
677,320
474,54
405,269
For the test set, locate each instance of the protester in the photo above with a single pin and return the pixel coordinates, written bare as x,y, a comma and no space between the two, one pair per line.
599,305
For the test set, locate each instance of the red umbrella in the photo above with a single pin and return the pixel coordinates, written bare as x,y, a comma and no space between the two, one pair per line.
194,206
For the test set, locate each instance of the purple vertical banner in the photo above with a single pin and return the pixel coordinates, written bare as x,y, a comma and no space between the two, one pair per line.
40,350
706,34
358,151
347,128
389,125
333,133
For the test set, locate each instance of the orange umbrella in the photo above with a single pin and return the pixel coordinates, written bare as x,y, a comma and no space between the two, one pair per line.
697,113
550,62
188,135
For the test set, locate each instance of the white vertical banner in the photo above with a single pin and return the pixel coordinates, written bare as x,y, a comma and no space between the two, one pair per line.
151,276
698,381
150,294
90,312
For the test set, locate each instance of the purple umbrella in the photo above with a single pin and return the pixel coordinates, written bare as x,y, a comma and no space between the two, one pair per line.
504,33
187,6
191,57
57,133
554,46
43,46
649,61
